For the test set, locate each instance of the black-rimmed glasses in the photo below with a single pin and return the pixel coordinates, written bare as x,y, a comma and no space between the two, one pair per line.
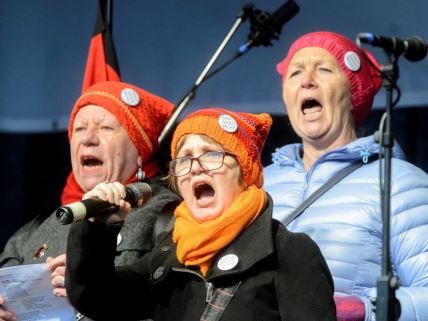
208,161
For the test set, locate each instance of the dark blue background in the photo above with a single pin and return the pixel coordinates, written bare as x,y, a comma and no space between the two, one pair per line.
164,45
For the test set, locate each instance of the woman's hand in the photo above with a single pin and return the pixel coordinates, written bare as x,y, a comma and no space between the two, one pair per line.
5,315
113,193
57,267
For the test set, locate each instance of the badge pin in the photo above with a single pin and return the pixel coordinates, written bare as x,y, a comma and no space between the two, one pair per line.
228,123
41,251
130,97
119,239
352,61
228,262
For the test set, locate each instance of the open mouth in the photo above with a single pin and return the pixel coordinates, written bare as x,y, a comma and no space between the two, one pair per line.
203,191
310,106
90,161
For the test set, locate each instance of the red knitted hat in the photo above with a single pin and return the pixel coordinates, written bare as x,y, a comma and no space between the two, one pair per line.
242,134
142,114
364,80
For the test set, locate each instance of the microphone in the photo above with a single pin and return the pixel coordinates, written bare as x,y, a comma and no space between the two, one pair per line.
413,48
94,207
265,26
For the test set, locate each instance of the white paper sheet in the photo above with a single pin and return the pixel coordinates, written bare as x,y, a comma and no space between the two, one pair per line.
28,293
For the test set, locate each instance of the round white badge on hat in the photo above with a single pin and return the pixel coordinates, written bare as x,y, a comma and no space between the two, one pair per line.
352,61
130,97
228,262
228,123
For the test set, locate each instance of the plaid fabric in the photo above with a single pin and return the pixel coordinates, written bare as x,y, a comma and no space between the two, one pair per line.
217,302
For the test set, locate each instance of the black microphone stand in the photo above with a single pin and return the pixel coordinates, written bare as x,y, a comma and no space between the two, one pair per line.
245,12
387,305
264,28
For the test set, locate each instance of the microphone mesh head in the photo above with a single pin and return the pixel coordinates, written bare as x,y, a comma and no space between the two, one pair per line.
418,50
138,191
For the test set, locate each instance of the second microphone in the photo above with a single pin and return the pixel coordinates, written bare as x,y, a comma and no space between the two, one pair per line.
93,207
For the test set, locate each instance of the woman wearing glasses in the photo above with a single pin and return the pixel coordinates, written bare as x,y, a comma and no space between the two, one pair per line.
226,259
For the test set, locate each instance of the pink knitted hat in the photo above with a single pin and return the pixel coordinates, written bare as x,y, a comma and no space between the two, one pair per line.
364,80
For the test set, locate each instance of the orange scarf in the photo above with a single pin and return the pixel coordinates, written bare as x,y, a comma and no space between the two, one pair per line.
197,243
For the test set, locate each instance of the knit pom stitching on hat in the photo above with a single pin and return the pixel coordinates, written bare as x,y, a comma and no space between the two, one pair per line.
247,135
128,113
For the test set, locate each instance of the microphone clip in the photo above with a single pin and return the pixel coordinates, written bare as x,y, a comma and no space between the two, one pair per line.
262,29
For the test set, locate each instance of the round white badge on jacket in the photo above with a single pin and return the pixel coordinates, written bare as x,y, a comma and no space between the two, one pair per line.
228,262
228,123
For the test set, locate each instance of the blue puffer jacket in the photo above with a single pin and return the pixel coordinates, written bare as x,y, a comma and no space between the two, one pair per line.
346,222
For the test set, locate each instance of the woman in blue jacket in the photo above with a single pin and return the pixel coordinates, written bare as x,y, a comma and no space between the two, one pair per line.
328,89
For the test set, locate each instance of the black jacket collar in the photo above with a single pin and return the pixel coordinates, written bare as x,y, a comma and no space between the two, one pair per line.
251,246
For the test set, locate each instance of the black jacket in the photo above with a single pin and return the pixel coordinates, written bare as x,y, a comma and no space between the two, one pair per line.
283,274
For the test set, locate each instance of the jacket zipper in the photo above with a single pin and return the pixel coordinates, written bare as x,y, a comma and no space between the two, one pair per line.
208,285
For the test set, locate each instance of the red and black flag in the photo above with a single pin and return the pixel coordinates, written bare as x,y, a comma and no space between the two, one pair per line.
102,62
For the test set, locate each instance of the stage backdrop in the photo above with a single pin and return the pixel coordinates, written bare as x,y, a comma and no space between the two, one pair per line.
164,45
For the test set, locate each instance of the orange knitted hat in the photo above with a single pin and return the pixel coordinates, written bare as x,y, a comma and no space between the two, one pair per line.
142,114
242,134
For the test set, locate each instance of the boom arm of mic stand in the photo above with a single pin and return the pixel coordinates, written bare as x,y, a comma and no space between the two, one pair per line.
191,93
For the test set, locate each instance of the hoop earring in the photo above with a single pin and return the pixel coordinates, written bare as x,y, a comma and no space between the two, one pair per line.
140,175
